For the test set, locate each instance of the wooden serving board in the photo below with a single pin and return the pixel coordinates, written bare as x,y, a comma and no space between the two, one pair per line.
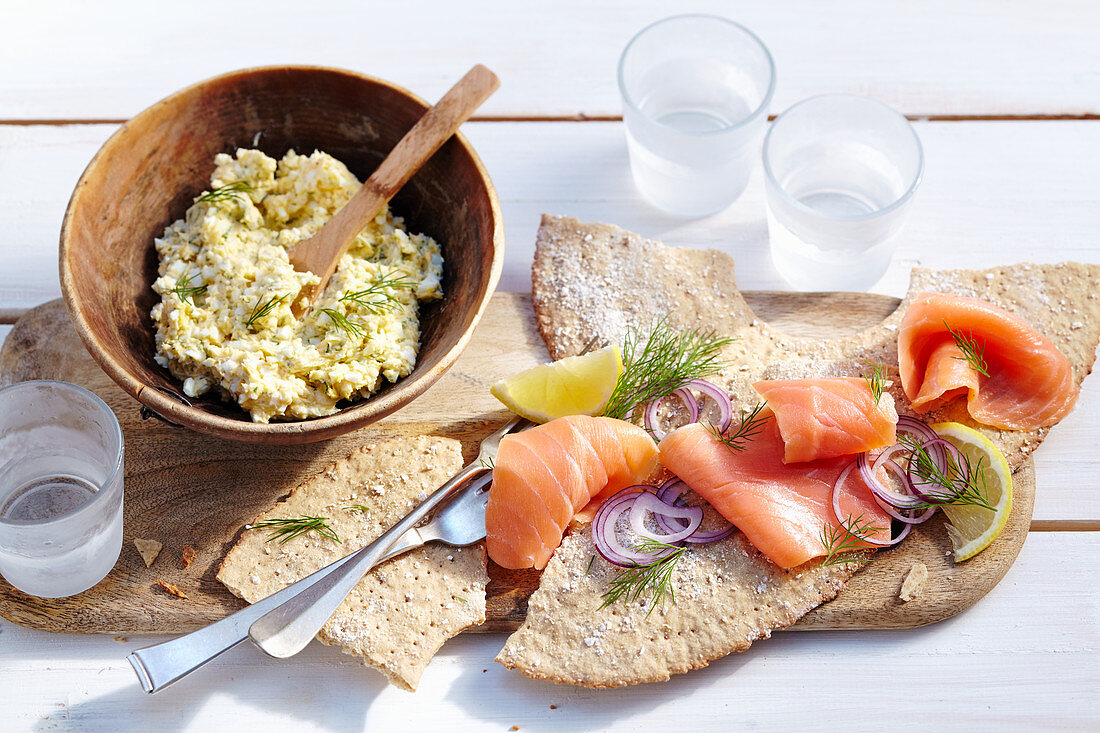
183,488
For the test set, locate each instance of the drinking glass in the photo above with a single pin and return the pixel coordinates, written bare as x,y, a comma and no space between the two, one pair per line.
695,94
840,172
60,488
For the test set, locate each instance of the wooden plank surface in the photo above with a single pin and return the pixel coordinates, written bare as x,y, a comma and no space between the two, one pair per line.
999,192
1027,658
995,193
177,495
939,57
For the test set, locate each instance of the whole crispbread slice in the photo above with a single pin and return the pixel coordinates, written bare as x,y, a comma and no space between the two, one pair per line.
596,280
399,615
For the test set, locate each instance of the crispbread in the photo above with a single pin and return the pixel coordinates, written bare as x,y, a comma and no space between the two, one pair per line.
597,280
399,615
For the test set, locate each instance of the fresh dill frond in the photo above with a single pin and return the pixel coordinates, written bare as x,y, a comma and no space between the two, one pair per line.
590,561
973,350
226,192
876,380
262,308
377,299
653,577
668,360
843,542
287,529
963,485
357,508
488,463
751,424
341,322
184,291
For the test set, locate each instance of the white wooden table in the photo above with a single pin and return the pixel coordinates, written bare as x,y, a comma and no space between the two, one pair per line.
1006,98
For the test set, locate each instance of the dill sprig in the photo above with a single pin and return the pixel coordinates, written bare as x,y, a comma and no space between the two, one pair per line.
287,529
341,322
184,291
973,350
357,508
654,577
876,380
751,424
262,308
226,192
843,542
377,299
963,485
668,361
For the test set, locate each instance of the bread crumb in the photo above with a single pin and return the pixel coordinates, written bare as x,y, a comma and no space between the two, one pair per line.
188,556
172,588
148,549
913,583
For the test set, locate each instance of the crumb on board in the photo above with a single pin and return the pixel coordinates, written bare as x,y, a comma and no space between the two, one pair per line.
120,639
188,556
913,583
148,549
172,588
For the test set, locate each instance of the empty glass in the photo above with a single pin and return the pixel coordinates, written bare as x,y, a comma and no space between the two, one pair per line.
696,90
60,488
840,174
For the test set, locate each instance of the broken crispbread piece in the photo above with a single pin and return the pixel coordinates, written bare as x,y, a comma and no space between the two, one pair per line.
148,549
399,615
727,596
913,583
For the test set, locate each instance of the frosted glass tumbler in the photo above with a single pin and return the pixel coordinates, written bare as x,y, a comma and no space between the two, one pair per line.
695,95
840,172
60,488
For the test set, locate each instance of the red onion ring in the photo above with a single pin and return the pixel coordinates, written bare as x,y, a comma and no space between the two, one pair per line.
952,460
605,537
720,397
836,510
867,471
649,415
648,502
669,493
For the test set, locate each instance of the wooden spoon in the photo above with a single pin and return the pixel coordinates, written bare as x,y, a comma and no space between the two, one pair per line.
322,252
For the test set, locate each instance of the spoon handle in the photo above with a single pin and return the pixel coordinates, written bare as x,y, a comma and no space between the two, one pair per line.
320,253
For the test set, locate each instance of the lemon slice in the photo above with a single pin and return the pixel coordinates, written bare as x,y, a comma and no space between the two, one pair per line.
973,528
575,385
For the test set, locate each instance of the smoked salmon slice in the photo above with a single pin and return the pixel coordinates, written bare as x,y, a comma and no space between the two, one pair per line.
826,418
1029,384
546,475
782,508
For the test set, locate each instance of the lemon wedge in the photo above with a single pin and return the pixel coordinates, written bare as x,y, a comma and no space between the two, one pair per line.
973,528
575,385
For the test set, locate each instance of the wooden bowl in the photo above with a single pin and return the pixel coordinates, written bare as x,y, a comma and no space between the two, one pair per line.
149,172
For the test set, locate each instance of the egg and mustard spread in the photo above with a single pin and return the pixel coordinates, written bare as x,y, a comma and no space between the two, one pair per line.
224,321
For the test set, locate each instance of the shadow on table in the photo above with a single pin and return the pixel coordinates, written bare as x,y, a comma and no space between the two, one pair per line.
249,678
500,696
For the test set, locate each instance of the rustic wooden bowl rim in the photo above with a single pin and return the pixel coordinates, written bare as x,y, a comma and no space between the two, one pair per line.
299,431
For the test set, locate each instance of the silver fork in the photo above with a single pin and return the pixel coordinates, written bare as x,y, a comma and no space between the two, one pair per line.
460,520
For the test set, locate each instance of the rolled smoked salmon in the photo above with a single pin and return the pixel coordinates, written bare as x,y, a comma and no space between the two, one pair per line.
547,474
782,508
826,418
1030,382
